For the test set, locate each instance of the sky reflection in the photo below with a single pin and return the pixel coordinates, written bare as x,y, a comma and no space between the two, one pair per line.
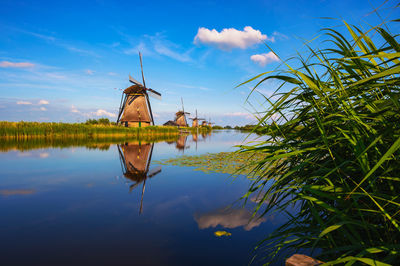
82,204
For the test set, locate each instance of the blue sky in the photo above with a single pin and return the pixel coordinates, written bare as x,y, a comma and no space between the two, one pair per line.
68,60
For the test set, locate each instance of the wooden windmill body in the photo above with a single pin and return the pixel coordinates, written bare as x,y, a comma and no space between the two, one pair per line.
135,109
180,117
196,120
209,123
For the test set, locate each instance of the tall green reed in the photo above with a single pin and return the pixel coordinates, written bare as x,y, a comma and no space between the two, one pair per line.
333,151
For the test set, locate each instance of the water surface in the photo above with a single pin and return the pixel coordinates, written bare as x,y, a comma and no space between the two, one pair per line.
113,205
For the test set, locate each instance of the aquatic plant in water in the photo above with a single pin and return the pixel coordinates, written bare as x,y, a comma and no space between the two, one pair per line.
223,162
333,150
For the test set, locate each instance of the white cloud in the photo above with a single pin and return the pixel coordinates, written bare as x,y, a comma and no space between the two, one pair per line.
231,38
89,71
263,59
24,103
280,36
101,112
191,87
112,74
43,102
43,108
8,64
162,49
238,114
60,43
74,109
154,45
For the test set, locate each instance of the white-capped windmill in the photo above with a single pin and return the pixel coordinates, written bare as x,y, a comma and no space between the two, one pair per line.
196,120
135,109
180,116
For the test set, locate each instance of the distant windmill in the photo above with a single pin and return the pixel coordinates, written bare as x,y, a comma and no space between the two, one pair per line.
135,109
180,117
196,120
209,123
135,162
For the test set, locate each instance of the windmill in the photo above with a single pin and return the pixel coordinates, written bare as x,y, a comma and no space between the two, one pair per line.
135,109
209,123
135,161
196,120
180,117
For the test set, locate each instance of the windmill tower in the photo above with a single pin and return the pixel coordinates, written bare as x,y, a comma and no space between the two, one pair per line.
196,120
209,123
135,162
180,117
135,109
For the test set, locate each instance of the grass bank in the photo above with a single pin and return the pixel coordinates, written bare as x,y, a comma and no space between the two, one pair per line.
37,129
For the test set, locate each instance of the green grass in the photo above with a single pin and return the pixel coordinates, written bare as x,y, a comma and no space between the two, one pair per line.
33,129
333,150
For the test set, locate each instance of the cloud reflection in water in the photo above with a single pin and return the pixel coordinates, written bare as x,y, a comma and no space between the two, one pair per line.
228,218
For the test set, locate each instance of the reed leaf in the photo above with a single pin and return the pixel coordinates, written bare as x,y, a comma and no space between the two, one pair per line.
331,161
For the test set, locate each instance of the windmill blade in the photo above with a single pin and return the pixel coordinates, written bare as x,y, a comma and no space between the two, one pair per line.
186,113
153,91
141,67
134,81
154,94
183,108
201,118
154,171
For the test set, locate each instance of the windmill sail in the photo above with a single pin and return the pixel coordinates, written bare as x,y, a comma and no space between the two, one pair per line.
154,94
134,81
135,109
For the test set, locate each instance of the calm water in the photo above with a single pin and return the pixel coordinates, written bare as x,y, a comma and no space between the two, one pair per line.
116,206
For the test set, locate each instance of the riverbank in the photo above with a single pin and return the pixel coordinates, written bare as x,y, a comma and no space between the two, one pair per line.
21,130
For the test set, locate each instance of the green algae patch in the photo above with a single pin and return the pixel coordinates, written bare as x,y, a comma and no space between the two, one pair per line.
233,163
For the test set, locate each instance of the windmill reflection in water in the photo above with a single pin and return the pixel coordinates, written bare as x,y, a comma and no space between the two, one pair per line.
135,161
181,142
